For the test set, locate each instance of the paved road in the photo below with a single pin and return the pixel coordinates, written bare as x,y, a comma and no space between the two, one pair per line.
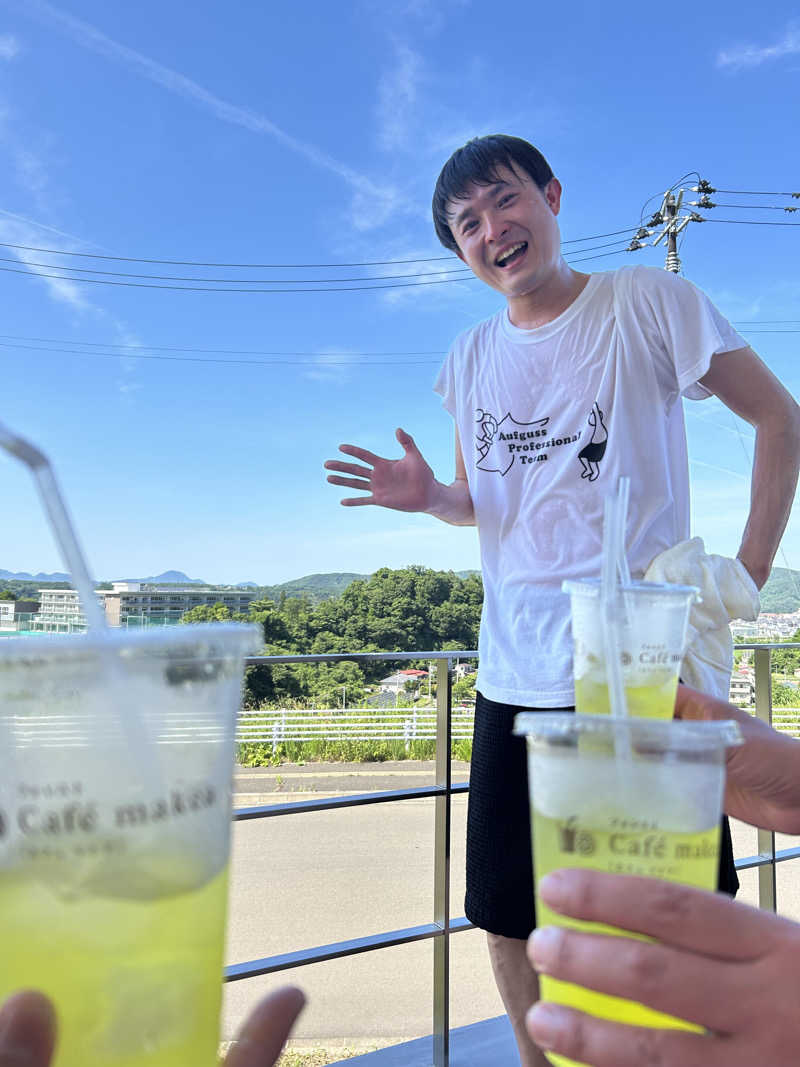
309,879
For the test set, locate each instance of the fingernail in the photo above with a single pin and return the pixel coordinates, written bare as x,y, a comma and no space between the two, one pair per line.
544,946
551,888
547,1024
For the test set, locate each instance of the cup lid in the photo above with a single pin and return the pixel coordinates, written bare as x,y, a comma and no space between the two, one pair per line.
653,734
591,587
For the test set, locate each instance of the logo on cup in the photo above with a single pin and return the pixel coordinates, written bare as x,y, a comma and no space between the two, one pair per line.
571,839
626,659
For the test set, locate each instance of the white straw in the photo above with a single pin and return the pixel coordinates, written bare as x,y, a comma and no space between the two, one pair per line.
609,595
623,495
67,540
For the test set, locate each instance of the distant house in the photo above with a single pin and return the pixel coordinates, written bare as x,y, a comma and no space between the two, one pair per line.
398,680
743,687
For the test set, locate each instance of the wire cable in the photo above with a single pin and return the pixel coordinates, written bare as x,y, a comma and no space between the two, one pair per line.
276,266
237,289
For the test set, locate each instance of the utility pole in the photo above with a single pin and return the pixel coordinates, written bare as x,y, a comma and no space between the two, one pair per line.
667,216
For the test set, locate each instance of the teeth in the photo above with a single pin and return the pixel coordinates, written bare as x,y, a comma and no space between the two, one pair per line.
507,254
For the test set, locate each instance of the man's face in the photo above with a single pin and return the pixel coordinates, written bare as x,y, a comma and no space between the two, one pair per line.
507,232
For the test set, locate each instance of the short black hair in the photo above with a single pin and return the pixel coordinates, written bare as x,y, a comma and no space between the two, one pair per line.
476,163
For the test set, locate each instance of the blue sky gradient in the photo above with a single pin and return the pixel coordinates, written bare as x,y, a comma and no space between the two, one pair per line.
313,134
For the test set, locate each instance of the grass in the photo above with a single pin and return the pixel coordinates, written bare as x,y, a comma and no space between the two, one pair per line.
318,1057
314,1057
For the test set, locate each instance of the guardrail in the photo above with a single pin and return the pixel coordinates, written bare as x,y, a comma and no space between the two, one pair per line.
442,925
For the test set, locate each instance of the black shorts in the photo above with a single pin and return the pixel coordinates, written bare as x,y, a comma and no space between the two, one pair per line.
499,895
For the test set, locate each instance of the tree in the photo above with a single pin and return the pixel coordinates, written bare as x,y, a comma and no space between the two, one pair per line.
7,595
785,696
207,613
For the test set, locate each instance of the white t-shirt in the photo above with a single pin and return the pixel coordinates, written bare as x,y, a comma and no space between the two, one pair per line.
549,419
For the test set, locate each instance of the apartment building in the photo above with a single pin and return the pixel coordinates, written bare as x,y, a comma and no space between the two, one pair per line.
132,604
135,603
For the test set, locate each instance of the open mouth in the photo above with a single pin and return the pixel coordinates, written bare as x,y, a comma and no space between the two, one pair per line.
512,254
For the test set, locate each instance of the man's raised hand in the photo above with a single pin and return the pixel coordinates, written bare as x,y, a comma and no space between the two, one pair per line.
405,484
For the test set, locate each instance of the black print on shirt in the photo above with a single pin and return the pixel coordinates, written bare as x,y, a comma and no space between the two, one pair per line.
501,444
591,454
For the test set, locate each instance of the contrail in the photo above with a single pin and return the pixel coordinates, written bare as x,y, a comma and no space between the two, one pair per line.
87,36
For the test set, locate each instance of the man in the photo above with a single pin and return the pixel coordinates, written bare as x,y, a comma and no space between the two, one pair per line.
574,383
729,968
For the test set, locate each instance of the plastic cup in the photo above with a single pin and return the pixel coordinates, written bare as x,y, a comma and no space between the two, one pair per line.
641,797
114,842
652,626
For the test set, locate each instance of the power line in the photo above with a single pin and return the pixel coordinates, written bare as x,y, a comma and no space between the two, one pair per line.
261,281
752,192
247,281
212,351
237,289
751,222
275,266
321,359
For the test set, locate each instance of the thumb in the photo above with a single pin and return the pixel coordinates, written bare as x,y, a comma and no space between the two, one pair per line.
406,440
260,1041
27,1031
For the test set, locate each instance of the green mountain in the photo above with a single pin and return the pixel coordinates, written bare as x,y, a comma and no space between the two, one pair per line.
315,587
781,592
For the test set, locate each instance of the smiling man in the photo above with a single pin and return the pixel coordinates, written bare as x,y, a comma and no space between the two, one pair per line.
575,382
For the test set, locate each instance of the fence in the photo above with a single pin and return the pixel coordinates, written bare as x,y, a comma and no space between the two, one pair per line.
442,925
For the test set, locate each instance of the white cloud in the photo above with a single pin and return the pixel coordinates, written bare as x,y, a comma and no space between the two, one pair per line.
744,56
384,201
398,89
9,46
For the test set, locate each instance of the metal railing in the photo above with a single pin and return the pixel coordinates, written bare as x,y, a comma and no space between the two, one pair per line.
442,925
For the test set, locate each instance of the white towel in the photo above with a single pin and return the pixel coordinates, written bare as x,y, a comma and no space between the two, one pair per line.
727,591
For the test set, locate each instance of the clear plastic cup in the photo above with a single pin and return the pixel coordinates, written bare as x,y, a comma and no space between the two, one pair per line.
116,760
625,796
652,624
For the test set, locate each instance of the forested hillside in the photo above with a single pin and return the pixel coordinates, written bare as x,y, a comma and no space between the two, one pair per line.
392,610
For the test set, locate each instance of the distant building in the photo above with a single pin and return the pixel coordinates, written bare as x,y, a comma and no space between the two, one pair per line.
743,687
132,604
15,614
397,681
138,604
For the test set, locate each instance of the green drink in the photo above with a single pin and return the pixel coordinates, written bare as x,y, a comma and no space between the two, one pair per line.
631,796
652,627
115,813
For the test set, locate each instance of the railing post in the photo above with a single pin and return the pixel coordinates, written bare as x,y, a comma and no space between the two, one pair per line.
767,889
441,867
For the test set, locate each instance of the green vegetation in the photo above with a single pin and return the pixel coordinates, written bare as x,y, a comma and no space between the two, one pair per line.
781,592
415,609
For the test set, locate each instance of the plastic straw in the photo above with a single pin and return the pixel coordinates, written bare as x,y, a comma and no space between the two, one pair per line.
63,529
66,538
609,594
623,495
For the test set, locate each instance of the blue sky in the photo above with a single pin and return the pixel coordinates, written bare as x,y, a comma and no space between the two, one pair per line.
313,134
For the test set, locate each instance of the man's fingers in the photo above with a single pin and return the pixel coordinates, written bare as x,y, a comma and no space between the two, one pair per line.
351,483
263,1034
673,914
680,983
357,501
27,1031
348,468
360,453
605,1044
